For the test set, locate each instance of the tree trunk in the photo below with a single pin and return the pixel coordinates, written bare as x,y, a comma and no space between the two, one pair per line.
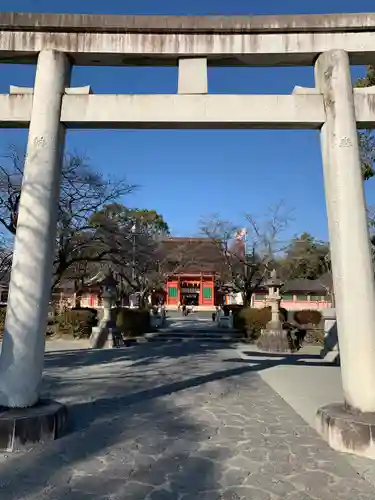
246,298
143,299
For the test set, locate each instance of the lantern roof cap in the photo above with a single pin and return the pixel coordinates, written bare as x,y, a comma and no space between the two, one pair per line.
274,280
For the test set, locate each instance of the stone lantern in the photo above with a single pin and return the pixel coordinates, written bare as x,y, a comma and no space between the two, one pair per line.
105,333
274,338
109,294
274,298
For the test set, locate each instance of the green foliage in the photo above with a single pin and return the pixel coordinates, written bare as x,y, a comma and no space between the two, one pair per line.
133,322
368,80
307,317
116,215
252,321
77,322
305,258
132,239
366,138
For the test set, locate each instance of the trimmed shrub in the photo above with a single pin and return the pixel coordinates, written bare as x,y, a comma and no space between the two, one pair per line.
255,320
133,322
307,317
239,320
77,322
89,309
283,314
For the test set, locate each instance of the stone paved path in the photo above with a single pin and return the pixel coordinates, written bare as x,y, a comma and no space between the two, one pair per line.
191,323
175,422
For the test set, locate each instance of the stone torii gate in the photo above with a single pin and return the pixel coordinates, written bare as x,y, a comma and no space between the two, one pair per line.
329,42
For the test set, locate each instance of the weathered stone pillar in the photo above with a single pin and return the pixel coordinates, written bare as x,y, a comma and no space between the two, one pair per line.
351,256
21,361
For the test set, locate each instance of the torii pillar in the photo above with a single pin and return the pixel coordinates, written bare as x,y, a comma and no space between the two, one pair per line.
22,355
348,427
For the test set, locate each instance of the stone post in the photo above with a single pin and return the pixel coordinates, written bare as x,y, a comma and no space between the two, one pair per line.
21,361
351,259
192,76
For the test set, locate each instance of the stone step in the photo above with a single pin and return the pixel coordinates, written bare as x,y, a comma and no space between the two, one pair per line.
218,340
194,337
181,331
204,339
198,337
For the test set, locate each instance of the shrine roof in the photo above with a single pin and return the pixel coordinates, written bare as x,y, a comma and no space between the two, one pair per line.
193,256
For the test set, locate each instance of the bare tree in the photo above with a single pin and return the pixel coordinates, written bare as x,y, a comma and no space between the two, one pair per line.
132,239
143,262
249,253
83,192
6,254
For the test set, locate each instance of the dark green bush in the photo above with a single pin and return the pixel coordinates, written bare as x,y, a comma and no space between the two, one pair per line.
77,322
88,309
307,317
255,320
133,322
283,314
252,320
238,320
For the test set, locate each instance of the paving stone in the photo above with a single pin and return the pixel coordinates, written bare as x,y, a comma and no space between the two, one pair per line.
164,495
245,493
175,422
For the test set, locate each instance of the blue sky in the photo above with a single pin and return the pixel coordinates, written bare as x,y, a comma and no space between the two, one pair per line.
188,174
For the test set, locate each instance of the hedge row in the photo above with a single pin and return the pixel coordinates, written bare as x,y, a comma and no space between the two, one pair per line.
252,321
307,317
78,322
133,322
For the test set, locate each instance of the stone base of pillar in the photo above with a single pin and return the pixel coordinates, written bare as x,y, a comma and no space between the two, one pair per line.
24,428
274,340
346,430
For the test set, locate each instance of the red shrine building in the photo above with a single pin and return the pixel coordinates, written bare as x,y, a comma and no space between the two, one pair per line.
191,289
199,266
193,274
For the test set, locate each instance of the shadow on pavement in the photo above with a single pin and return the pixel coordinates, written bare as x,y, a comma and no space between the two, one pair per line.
274,359
130,440
141,354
